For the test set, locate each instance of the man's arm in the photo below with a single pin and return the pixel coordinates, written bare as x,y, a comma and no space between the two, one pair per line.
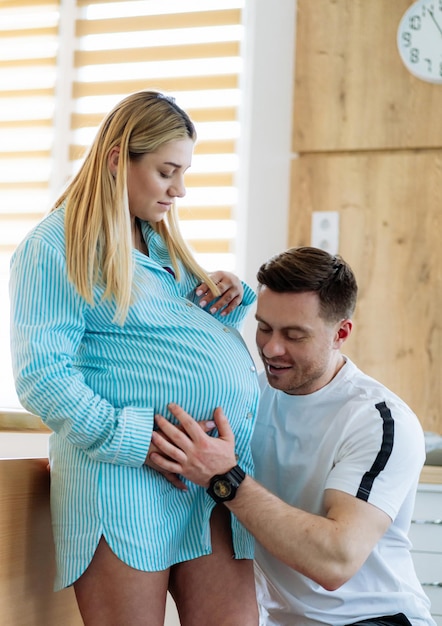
329,549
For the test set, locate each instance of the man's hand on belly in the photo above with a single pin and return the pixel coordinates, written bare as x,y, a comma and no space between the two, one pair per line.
188,449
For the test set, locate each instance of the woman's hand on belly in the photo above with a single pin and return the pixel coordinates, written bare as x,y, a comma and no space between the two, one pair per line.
170,476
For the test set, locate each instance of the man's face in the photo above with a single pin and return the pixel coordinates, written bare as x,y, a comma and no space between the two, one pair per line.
299,349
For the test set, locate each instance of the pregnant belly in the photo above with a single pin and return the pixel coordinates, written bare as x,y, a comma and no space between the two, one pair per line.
199,371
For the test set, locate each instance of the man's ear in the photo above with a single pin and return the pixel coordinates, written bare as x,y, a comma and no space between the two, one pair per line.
343,332
112,160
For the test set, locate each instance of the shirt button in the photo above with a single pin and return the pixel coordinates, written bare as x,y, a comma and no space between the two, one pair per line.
253,368
189,304
226,330
249,415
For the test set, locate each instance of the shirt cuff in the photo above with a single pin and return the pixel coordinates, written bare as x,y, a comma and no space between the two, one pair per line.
136,433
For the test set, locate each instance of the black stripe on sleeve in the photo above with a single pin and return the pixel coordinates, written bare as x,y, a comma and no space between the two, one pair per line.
383,454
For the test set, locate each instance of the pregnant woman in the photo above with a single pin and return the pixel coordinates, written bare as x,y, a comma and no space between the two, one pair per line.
113,319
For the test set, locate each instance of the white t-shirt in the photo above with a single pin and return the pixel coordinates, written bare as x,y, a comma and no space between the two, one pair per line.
356,436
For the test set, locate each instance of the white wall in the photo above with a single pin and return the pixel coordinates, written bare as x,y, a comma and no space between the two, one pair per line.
23,445
265,149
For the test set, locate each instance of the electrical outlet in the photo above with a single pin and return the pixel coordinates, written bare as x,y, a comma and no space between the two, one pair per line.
325,231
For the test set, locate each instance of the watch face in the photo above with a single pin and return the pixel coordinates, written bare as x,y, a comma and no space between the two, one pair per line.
222,488
419,40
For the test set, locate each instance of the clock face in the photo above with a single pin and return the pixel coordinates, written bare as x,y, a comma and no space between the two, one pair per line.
419,40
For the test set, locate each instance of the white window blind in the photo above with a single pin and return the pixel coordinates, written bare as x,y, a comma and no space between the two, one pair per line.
63,66
190,50
28,55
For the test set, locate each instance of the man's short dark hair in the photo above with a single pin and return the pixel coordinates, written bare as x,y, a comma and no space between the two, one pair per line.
303,269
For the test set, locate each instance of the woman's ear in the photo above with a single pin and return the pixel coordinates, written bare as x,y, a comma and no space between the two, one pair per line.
112,160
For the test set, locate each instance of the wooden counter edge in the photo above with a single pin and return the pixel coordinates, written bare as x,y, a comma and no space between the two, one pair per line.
19,420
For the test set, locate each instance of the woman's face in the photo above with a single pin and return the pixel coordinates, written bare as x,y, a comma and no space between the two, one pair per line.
157,178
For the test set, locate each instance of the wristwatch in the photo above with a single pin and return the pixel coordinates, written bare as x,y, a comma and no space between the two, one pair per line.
223,487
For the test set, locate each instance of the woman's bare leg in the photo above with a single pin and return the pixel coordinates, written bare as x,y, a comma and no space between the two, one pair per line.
215,589
110,593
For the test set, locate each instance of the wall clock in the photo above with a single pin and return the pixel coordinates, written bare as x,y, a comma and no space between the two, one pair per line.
419,40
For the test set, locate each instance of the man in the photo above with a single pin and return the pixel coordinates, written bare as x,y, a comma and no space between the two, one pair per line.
337,455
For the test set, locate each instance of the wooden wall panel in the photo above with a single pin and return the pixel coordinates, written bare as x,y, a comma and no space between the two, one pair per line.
368,142
390,231
352,91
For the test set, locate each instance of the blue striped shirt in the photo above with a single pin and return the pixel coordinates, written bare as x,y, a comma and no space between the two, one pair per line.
97,386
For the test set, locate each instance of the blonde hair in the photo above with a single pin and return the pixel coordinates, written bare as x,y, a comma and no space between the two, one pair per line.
97,221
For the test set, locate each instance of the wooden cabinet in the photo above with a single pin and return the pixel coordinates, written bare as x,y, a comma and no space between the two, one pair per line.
27,552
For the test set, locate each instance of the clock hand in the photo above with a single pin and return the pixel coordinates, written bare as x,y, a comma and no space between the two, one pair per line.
434,20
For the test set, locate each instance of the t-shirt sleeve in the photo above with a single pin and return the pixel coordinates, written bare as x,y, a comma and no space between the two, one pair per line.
381,455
